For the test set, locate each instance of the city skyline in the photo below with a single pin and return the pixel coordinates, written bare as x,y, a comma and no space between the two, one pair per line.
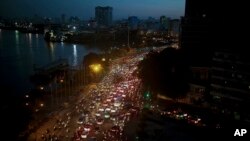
85,9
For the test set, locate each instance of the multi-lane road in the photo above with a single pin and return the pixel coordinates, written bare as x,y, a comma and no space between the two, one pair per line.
102,110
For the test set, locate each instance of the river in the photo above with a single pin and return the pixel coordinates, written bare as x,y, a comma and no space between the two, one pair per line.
20,51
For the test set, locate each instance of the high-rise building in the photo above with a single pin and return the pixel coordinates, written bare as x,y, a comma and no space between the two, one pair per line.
133,22
230,78
165,23
103,16
210,36
174,28
196,33
152,24
209,25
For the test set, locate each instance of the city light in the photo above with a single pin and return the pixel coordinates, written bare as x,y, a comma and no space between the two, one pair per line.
41,104
96,67
147,95
102,78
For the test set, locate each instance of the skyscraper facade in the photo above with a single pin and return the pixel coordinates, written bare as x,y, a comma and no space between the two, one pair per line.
174,28
210,38
196,31
164,21
133,22
103,16
208,25
230,78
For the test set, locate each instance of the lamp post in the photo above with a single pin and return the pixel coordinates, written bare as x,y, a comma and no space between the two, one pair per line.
62,89
96,68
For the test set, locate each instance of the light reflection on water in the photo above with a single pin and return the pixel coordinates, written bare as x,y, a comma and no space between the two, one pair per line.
17,41
75,56
30,39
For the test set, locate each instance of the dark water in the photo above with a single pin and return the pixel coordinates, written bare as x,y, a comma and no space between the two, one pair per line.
19,52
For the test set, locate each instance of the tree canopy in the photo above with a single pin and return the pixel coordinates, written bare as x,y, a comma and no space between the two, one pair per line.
165,72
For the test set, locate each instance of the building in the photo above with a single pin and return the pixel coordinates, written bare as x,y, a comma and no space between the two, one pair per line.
92,23
230,79
210,37
103,16
195,32
164,23
209,25
174,29
133,22
198,84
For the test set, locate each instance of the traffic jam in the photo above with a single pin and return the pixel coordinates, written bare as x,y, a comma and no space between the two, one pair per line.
111,104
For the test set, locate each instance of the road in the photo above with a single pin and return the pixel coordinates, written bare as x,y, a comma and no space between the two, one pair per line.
101,110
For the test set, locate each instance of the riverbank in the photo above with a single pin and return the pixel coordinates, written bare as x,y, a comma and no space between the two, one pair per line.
18,54
37,29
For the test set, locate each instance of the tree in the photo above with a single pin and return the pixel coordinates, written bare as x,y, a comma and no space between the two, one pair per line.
89,59
166,73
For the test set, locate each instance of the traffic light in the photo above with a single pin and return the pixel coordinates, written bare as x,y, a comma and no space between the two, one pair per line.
147,95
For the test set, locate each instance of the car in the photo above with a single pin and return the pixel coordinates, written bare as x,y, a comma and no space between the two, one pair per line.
80,120
84,134
99,121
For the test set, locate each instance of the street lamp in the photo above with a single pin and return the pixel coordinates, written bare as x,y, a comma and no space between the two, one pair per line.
41,88
41,104
96,67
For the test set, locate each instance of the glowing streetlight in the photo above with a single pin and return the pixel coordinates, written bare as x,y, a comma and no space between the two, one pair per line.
41,104
96,67
41,88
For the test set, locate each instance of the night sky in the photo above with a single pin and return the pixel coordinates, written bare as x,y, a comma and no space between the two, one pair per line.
85,8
